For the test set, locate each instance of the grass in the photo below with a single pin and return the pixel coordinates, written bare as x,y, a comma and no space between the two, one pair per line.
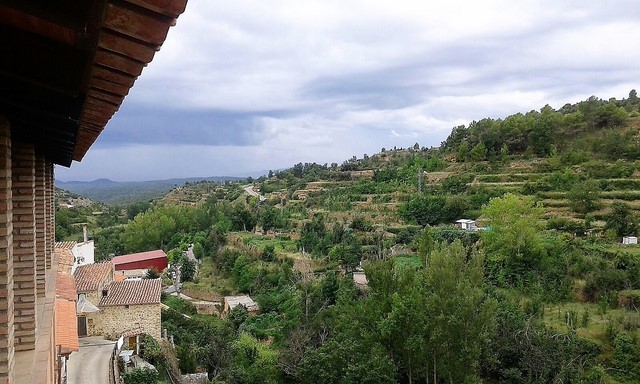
632,249
409,261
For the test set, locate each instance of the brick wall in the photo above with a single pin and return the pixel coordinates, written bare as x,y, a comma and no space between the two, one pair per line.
6,256
50,208
24,245
112,322
41,248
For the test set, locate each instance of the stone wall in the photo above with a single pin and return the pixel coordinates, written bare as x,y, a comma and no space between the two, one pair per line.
112,322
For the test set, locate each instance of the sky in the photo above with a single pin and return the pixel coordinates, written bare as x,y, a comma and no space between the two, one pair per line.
241,87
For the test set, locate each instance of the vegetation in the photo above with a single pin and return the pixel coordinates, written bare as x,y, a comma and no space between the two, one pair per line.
543,293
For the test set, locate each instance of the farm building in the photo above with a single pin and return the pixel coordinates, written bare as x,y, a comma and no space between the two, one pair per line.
231,302
144,260
469,225
628,240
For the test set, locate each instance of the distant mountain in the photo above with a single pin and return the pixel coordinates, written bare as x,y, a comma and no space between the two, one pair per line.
127,192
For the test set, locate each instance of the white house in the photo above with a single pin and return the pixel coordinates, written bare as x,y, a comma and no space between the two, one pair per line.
83,253
469,225
628,240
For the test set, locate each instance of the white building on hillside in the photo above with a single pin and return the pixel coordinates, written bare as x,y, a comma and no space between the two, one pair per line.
469,225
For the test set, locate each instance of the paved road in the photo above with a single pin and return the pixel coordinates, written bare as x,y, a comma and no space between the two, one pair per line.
250,191
90,365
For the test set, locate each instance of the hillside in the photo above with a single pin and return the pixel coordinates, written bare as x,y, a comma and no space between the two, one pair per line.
117,192
545,293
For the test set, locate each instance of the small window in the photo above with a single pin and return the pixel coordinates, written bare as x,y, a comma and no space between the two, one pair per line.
126,306
104,293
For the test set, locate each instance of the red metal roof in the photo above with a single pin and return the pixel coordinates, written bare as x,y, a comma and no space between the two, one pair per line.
142,256
132,292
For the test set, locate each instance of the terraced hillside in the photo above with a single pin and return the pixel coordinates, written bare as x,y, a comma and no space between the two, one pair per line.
545,294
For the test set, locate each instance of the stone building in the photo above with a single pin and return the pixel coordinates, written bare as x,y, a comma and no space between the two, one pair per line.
130,305
65,69
92,283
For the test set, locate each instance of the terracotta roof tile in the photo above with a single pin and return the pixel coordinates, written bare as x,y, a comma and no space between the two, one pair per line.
66,325
92,277
65,260
130,292
150,255
65,244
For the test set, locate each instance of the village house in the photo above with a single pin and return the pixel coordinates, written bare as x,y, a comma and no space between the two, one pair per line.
92,282
130,305
109,308
83,253
466,224
629,240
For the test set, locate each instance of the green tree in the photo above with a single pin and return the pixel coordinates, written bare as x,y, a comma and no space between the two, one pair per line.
512,239
622,220
187,269
585,196
478,152
460,318
198,250
463,152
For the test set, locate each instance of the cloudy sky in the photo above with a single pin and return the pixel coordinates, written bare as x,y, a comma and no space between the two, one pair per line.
245,86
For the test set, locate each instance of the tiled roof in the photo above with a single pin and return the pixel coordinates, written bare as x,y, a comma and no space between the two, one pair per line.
65,244
66,325
92,277
66,287
150,255
133,332
65,260
130,292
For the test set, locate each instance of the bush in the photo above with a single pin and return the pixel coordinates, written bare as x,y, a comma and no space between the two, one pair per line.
629,299
141,376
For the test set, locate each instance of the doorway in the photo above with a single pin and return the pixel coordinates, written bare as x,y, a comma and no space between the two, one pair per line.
82,326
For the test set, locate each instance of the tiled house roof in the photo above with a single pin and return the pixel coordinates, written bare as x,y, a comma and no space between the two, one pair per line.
150,255
92,277
131,292
65,244
66,326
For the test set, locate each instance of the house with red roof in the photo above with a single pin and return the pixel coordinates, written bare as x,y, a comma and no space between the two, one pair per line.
144,260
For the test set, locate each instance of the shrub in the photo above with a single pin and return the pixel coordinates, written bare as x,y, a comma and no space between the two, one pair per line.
141,376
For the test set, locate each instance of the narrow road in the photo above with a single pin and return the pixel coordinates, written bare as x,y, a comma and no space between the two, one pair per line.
250,191
90,365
